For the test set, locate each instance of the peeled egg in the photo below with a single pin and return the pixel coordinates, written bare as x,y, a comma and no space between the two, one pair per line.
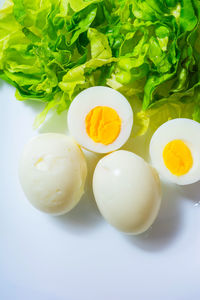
52,173
100,119
175,151
127,191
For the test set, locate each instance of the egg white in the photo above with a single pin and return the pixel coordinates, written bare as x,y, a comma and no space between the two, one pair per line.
52,173
85,102
127,191
182,129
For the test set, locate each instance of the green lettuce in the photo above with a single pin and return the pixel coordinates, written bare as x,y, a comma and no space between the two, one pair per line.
149,50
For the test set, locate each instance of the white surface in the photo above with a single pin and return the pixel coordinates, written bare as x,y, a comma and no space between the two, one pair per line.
78,256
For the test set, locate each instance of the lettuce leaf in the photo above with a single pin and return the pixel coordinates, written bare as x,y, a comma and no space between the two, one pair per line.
148,50
78,5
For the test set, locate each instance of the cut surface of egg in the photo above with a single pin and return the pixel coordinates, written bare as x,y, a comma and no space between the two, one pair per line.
175,151
52,173
127,191
100,119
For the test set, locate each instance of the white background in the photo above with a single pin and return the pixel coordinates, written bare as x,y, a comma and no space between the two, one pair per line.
79,256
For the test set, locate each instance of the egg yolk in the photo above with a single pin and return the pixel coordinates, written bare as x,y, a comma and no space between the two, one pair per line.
177,157
103,125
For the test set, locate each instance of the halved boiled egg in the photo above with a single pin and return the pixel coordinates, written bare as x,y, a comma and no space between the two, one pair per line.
100,119
175,151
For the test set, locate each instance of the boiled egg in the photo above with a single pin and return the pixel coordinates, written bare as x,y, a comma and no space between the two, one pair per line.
52,173
175,151
100,119
127,191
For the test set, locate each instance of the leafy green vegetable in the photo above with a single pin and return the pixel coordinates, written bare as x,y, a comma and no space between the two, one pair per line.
147,49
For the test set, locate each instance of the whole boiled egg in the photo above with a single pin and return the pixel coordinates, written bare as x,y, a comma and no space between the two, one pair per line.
52,173
127,191
100,119
175,151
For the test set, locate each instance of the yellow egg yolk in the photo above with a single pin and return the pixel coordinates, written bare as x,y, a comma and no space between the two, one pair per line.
103,125
177,157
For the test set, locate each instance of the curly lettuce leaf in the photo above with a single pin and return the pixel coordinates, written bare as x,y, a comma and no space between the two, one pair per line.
153,118
82,76
78,5
148,50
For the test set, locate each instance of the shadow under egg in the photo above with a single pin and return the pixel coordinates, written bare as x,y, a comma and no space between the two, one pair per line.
166,227
191,192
